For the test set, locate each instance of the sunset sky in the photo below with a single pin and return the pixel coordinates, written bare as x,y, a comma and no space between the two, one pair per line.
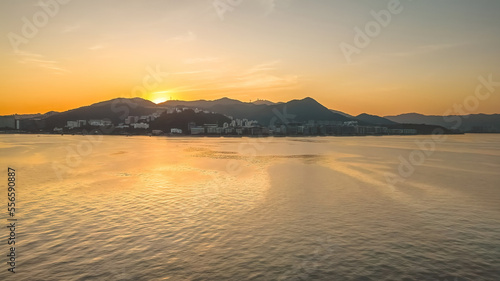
427,58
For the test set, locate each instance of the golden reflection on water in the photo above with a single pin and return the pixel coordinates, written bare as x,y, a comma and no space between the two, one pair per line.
215,208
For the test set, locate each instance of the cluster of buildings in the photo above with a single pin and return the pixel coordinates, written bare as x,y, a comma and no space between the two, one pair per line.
135,122
22,122
236,127
9,122
178,110
139,122
310,128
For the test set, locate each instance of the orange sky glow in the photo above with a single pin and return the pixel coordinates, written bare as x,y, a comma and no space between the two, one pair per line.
426,57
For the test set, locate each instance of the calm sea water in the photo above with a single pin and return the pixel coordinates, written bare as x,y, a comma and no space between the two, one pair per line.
154,208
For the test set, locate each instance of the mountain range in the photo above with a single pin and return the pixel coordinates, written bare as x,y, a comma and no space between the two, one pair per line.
480,123
264,112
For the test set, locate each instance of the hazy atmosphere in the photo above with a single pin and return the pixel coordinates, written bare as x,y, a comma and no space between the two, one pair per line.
419,56
252,140
290,209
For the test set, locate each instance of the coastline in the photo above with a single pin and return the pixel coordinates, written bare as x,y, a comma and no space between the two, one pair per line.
233,136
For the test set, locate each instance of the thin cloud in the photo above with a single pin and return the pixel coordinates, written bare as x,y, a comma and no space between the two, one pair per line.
266,81
202,60
97,47
425,49
71,28
189,37
41,62
268,5
260,77
191,72
263,67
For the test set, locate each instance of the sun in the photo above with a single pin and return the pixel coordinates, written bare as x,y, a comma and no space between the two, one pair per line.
160,100
159,97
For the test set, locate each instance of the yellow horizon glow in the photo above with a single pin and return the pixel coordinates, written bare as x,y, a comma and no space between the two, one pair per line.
160,100
159,97
161,54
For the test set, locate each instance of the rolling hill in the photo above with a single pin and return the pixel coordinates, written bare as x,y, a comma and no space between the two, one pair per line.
467,123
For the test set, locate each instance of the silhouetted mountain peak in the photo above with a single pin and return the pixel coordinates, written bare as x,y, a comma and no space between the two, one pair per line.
226,100
472,122
309,100
135,100
374,119
263,102
411,114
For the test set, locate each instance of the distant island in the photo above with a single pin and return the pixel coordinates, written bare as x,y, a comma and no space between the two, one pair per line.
229,117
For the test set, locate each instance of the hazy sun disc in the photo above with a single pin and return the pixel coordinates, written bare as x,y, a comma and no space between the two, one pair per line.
160,100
